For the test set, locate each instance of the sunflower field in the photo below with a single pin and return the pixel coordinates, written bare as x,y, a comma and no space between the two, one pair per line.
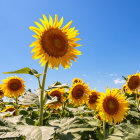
61,111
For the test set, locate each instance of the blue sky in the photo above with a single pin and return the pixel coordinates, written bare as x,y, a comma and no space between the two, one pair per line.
109,29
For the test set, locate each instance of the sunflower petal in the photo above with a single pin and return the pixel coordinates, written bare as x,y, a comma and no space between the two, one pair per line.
66,27
50,21
60,23
56,21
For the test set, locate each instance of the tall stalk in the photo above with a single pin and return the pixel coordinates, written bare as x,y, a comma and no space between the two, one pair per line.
104,122
17,111
42,95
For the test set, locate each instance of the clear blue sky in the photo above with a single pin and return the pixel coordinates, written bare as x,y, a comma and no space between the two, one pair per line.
109,29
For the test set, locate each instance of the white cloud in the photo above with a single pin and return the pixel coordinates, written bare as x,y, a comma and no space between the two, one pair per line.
84,75
30,79
111,74
119,81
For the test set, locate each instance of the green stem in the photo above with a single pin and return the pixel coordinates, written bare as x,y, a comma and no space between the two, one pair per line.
138,103
45,98
42,95
39,82
17,111
104,122
63,108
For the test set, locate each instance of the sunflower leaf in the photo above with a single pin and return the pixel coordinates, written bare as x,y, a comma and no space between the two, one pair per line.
57,85
125,78
35,132
25,70
29,99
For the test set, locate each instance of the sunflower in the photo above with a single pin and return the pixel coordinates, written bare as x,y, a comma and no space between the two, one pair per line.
8,108
24,106
124,88
54,44
137,96
78,93
77,80
133,83
59,94
13,86
1,94
92,99
112,105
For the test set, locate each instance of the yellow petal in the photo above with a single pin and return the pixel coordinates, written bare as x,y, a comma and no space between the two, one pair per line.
39,25
50,21
46,21
66,27
60,23
36,30
33,44
43,22
56,21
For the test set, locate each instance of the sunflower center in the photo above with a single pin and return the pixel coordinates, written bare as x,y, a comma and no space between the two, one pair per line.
134,82
92,99
78,92
75,81
9,109
111,105
14,84
54,43
56,94
1,92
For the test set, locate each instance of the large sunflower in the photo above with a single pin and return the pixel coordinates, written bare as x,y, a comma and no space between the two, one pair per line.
54,44
133,83
13,86
124,88
8,108
77,80
112,105
92,99
60,97
78,93
1,93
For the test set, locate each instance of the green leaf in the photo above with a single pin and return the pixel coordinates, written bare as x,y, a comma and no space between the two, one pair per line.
4,122
29,99
125,78
52,100
57,85
23,112
16,120
132,136
29,121
10,135
35,132
25,70
6,114
111,130
117,135
75,126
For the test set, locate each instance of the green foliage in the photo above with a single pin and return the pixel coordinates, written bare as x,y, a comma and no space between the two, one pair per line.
29,99
77,127
125,78
57,85
25,70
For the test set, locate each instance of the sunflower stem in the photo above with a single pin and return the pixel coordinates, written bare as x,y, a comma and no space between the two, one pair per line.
104,122
17,111
138,101
45,98
42,95
63,109
39,82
